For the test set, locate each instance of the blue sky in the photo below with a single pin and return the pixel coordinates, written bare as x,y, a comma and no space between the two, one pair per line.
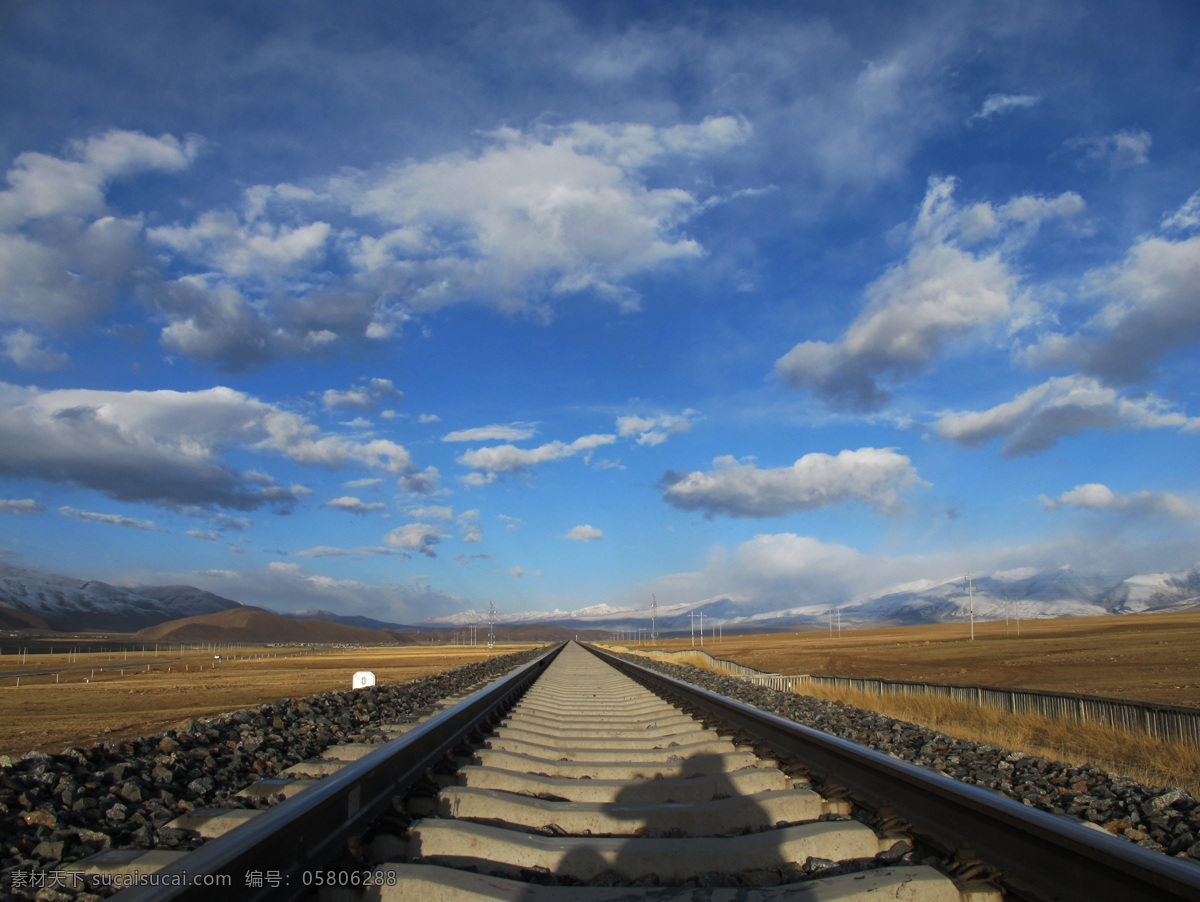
399,308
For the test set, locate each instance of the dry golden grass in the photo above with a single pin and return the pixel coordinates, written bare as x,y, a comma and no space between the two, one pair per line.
48,716
1146,760
1151,657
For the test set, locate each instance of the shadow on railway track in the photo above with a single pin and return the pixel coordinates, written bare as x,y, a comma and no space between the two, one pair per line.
660,811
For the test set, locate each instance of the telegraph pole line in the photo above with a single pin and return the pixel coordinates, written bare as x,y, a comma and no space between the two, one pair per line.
692,618
702,629
491,624
653,618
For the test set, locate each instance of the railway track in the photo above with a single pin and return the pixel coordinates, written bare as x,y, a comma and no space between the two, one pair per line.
575,778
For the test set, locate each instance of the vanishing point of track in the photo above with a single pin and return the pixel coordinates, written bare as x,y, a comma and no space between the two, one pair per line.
584,777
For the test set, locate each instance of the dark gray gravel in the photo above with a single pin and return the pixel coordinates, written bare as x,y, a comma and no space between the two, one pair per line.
60,808
1163,819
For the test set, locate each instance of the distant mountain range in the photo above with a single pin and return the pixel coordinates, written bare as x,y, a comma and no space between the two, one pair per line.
33,600
1025,593
66,604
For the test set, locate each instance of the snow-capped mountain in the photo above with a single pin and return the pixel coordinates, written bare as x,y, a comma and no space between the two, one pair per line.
75,604
1026,593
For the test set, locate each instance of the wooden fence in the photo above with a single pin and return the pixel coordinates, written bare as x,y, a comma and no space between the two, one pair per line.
1168,722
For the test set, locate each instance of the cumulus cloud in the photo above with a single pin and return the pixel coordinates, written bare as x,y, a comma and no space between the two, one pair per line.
62,253
490,463
353,505
945,290
432,512
28,351
251,249
21,506
1036,419
1113,152
524,221
513,432
532,216
361,397
1098,497
1149,307
584,533
165,447
996,104
423,482
110,519
873,476
415,537
654,430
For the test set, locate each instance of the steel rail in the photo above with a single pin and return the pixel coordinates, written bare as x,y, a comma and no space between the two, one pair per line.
1040,856
313,827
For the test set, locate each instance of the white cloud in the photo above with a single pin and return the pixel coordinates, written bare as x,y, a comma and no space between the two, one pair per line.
516,572
429,418
1113,152
943,291
1150,308
332,551
62,255
27,351
509,459
207,535
584,533
654,430
424,482
1186,218
996,104
510,523
1097,497
513,432
362,483
415,537
873,476
432,512
361,397
468,524
532,216
166,447
21,506
1037,418
110,519
251,250
354,505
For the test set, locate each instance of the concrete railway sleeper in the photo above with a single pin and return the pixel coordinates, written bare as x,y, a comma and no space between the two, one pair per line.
582,777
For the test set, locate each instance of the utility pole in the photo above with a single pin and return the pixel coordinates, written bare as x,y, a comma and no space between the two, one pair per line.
692,618
653,618
491,624
702,629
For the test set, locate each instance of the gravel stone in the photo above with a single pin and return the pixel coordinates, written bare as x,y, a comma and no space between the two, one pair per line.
121,794
1164,819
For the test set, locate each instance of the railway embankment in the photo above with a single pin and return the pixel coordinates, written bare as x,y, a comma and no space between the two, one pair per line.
59,808
1163,819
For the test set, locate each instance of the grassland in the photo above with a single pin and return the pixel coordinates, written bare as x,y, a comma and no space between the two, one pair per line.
154,693
1150,657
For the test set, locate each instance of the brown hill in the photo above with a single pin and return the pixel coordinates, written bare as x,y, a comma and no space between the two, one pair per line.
258,625
12,619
